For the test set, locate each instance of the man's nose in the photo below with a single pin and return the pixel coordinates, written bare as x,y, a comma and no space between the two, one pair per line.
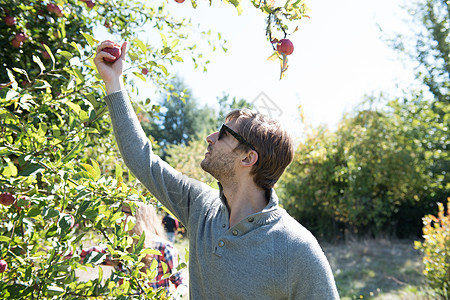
212,138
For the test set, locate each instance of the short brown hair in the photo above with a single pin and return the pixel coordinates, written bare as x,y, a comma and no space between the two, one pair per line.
274,145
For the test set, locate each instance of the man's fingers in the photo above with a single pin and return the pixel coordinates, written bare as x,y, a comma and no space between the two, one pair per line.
106,44
123,50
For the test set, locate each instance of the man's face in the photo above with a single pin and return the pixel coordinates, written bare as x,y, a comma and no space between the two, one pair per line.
220,159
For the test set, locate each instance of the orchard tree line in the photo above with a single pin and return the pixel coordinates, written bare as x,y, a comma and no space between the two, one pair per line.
62,181
387,164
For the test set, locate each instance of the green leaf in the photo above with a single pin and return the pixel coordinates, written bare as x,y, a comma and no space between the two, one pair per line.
140,243
150,251
75,45
50,54
126,257
164,39
31,169
141,45
96,166
12,79
75,150
75,107
177,58
41,84
49,212
22,71
10,170
133,56
55,290
65,222
174,43
39,62
119,171
4,239
140,76
90,169
33,212
94,257
164,69
66,54
90,39
83,206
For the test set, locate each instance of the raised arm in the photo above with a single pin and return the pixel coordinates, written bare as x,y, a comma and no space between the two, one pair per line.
171,188
111,73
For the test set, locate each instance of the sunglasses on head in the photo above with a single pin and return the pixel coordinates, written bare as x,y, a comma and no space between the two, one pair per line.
224,129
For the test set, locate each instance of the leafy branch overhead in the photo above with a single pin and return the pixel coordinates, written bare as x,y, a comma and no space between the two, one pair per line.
281,21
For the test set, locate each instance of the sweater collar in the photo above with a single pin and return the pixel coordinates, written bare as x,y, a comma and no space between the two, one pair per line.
270,213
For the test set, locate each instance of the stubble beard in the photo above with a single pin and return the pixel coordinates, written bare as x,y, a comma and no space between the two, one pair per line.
221,168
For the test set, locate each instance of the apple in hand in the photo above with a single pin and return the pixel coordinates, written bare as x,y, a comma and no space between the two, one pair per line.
115,51
285,46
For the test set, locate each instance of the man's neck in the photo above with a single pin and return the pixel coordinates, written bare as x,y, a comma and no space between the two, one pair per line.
244,200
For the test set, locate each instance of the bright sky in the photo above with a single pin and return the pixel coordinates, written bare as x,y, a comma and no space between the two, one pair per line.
338,58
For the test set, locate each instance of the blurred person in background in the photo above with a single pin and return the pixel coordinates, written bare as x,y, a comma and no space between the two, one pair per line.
171,226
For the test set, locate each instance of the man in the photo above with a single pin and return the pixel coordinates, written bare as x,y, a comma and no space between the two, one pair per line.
242,245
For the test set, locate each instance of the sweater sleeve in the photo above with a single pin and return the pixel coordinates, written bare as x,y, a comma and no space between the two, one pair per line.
309,273
174,190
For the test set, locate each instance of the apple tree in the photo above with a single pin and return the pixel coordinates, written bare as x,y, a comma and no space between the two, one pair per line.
61,178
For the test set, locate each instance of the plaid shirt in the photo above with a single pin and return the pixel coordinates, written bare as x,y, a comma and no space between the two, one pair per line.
169,255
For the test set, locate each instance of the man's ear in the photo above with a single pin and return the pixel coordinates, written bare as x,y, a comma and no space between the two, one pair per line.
250,159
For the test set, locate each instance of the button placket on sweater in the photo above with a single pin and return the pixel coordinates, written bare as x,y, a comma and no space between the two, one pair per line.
232,234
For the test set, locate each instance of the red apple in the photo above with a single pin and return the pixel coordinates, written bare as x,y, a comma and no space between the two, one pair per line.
21,37
145,71
90,4
51,7
179,1
72,222
107,24
16,43
54,9
3,265
285,46
7,199
115,51
10,20
18,40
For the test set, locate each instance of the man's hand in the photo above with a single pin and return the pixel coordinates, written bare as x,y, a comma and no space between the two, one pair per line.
111,73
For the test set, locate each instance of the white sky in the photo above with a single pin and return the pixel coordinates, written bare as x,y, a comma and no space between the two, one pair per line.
338,58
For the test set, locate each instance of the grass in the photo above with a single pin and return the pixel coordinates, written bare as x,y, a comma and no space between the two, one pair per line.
378,269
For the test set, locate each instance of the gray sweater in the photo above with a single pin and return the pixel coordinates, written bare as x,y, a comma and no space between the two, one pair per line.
268,255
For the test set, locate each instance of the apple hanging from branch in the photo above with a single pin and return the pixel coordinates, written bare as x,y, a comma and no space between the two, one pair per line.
3,266
7,199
